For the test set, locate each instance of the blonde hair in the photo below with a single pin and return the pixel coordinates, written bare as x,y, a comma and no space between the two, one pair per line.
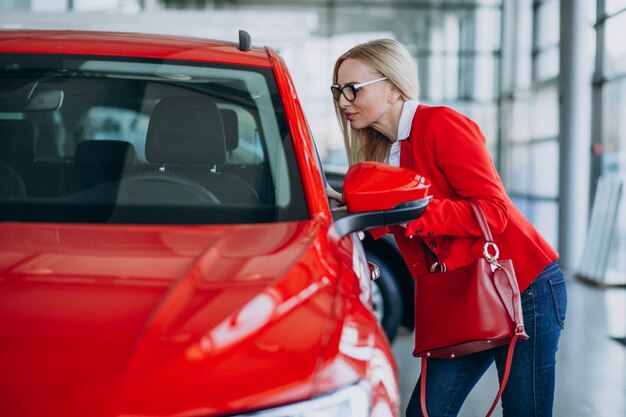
393,61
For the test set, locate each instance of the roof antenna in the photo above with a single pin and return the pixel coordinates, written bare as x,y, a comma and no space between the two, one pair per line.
245,42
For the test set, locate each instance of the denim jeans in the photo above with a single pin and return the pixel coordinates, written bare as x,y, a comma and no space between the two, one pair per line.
530,389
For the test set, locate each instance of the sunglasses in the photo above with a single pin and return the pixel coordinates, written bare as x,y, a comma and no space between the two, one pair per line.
349,91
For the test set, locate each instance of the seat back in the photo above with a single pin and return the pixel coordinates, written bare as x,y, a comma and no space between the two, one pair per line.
17,151
17,142
186,136
99,161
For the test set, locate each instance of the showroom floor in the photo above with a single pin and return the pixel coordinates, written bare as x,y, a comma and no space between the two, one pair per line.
591,366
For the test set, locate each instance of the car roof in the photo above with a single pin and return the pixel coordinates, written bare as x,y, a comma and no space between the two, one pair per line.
78,42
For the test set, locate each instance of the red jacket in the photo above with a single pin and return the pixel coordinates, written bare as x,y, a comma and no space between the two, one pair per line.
449,149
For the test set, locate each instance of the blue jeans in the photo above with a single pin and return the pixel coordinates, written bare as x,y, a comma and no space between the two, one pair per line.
530,389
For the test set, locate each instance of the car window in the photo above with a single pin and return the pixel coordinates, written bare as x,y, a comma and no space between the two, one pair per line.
143,141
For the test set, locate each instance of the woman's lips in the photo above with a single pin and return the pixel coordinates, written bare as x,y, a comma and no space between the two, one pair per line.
350,116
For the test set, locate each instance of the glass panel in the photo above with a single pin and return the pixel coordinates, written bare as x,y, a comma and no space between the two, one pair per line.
441,79
544,157
545,217
547,24
90,5
128,6
614,128
547,64
523,43
49,5
519,174
520,128
448,77
450,80
522,204
488,33
505,140
545,113
422,63
613,6
483,85
455,54
615,49
113,140
616,268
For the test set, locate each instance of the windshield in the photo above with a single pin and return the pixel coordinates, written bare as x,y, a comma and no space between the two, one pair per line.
112,140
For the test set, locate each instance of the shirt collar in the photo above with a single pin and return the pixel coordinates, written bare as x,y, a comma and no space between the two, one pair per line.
406,118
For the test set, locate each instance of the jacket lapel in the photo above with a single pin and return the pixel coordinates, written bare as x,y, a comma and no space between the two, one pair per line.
405,153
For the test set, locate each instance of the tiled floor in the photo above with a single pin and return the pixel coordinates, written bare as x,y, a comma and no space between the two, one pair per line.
591,367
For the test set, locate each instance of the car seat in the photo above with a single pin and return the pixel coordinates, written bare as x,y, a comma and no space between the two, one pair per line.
99,161
186,137
17,151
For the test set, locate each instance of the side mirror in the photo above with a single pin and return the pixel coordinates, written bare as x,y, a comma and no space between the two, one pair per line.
378,195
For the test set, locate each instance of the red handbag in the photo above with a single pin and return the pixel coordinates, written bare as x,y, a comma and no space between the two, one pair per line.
467,310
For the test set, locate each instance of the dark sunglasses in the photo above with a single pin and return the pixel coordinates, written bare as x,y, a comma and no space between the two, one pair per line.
349,91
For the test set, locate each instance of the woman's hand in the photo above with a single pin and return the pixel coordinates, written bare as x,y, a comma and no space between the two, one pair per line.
335,195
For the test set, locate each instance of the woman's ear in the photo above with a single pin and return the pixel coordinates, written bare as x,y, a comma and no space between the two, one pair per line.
393,94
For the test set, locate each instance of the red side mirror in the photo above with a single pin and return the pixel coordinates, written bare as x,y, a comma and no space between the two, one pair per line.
380,195
374,186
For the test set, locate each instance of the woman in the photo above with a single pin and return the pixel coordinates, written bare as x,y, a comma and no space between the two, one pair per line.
376,90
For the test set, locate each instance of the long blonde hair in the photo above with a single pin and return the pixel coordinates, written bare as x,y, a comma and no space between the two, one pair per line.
393,61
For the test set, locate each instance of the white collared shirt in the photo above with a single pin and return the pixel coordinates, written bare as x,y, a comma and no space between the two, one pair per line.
404,129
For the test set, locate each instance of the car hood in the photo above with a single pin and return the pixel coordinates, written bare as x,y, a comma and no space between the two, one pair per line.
170,320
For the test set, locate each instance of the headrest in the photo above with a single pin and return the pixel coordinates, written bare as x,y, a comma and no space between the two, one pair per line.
231,128
186,130
17,141
104,159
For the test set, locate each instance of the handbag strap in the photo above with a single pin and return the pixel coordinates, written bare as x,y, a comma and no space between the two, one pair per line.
482,221
446,242
505,379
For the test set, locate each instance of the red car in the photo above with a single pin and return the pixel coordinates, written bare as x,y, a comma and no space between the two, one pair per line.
166,244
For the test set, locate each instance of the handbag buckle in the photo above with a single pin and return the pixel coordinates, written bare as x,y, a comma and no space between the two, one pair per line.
519,329
442,267
492,259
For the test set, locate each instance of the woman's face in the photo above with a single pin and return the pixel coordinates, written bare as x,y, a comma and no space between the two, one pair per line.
372,101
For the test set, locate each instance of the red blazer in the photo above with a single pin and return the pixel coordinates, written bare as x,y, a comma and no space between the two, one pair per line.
449,149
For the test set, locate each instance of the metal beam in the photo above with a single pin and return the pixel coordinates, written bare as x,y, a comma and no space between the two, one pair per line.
398,4
575,131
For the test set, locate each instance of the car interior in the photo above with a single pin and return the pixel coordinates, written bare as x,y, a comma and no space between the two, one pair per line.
119,141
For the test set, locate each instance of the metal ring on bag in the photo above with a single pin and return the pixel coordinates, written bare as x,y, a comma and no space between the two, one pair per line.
492,259
442,267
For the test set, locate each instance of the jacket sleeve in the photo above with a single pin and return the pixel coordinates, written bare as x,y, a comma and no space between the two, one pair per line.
456,148
378,232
